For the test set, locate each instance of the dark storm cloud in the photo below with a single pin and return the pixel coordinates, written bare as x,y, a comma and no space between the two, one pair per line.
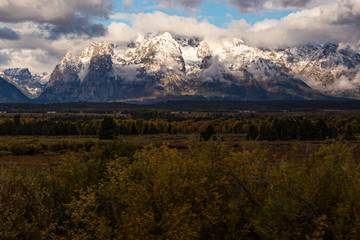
60,16
79,26
347,13
169,3
8,34
242,5
4,59
293,3
186,3
260,5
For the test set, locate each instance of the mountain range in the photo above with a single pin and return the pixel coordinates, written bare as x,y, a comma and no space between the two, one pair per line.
161,66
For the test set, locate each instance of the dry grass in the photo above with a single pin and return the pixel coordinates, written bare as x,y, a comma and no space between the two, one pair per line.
40,161
275,150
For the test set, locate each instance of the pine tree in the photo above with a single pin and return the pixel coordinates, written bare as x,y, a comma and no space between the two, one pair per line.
107,129
349,133
208,133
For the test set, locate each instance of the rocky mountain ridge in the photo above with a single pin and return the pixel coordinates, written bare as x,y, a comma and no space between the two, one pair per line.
32,85
10,93
161,66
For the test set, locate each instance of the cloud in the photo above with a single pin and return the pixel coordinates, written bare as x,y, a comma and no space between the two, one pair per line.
335,22
242,5
119,32
127,4
178,25
261,5
8,34
60,16
184,3
35,59
187,4
37,51
51,11
77,26
4,59
344,83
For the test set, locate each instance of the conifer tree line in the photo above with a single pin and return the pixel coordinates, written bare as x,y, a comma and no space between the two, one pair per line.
303,129
255,128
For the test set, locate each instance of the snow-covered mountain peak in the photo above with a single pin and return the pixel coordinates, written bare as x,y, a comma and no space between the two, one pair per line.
80,63
96,49
163,42
155,52
188,41
166,35
236,54
232,42
30,84
69,58
163,64
203,50
18,72
328,68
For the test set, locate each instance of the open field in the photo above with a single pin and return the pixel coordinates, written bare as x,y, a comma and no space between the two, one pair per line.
50,157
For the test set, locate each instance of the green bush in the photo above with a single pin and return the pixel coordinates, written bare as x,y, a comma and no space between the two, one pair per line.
23,212
25,148
79,145
88,144
58,145
71,145
4,147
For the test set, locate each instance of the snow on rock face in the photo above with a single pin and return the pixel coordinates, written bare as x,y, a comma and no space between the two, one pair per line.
18,73
237,55
156,52
174,62
24,80
163,53
327,68
95,49
68,59
203,50
81,62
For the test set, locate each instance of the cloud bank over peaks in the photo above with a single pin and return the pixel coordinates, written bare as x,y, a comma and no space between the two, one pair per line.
177,25
330,22
38,33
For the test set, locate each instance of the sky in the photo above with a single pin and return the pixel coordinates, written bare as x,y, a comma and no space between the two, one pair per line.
38,33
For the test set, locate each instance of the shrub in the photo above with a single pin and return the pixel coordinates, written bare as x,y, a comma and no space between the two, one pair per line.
23,214
88,144
58,145
25,148
4,147
78,146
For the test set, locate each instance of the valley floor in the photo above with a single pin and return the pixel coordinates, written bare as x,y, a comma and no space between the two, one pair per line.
55,149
